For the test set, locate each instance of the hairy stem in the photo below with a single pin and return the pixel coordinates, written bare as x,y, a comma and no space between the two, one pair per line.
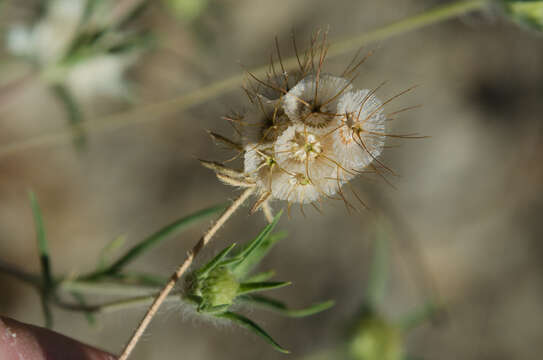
163,294
161,109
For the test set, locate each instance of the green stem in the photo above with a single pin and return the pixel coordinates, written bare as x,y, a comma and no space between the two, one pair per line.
105,288
11,270
426,18
161,109
117,305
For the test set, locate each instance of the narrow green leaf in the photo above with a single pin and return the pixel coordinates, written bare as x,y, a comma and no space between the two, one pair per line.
81,300
43,249
131,15
41,236
90,7
263,276
281,308
213,310
206,269
73,112
255,250
419,316
47,314
247,288
379,267
251,326
142,279
156,238
108,250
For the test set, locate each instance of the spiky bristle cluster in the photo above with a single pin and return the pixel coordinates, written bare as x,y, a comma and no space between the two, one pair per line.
308,133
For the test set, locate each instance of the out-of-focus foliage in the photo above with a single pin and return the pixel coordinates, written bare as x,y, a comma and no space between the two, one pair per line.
526,12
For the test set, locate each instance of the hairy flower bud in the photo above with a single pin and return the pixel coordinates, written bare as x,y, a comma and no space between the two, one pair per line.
218,288
376,339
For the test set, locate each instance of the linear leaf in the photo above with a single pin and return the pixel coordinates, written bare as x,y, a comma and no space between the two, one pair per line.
143,279
379,267
252,253
247,288
251,326
156,238
263,276
419,316
81,300
43,249
73,112
108,250
214,262
281,308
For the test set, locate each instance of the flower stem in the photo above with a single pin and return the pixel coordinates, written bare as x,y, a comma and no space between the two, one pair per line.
204,240
152,112
426,18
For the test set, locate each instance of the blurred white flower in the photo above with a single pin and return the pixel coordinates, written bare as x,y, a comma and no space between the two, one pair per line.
100,76
47,41
48,44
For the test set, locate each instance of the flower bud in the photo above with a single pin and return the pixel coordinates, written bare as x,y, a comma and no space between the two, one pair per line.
218,288
525,12
376,339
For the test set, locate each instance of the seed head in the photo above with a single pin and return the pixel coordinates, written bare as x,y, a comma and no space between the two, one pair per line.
308,133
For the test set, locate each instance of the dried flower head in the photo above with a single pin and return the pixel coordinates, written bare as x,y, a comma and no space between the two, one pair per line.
308,133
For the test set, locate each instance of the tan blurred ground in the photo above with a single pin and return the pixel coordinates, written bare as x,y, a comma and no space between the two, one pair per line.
469,196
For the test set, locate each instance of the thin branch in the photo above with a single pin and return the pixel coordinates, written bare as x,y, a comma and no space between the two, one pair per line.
13,271
116,305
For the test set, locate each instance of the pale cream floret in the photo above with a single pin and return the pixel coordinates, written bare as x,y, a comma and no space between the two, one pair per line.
318,113
359,137
307,169
259,164
264,122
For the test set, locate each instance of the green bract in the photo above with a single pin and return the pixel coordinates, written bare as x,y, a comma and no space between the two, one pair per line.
526,12
228,279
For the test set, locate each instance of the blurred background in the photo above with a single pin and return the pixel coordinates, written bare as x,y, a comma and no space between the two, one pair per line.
465,211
